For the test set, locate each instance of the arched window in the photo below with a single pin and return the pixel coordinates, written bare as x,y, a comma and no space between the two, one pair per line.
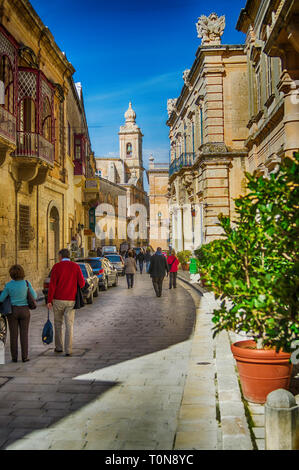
7,78
47,120
129,150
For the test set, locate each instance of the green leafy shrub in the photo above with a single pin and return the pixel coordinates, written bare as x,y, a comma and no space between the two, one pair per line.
253,269
184,256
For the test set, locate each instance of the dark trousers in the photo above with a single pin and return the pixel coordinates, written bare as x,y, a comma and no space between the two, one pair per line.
130,280
172,280
19,320
141,266
158,284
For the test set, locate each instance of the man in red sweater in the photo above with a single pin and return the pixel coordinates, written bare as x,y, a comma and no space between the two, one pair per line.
65,277
173,264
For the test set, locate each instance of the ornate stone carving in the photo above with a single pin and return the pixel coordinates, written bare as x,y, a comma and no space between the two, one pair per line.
210,29
171,106
185,76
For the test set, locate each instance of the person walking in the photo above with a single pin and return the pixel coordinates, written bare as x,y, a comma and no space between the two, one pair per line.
157,269
130,269
64,281
19,319
173,266
140,259
99,252
147,259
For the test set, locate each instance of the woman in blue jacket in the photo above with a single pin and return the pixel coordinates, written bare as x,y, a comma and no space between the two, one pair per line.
20,316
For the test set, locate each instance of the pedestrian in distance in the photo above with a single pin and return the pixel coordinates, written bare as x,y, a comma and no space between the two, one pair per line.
99,252
158,269
147,259
19,318
130,269
173,266
64,281
140,259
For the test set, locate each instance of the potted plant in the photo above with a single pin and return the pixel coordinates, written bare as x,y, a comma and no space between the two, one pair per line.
184,259
253,269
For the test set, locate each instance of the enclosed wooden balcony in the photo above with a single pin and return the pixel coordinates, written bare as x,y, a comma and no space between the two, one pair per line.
7,133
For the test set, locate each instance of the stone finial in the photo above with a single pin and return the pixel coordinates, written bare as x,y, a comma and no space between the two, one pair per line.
210,29
171,106
130,115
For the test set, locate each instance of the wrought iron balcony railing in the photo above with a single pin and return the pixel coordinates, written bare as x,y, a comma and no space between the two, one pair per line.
184,160
7,125
30,144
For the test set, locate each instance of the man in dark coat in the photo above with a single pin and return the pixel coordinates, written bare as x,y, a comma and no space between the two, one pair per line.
157,269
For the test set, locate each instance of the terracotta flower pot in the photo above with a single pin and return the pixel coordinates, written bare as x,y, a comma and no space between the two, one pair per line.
261,370
185,267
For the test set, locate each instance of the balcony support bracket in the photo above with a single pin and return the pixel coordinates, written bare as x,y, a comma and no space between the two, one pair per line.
23,169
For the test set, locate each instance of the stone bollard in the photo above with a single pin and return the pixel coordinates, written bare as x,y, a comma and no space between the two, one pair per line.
281,421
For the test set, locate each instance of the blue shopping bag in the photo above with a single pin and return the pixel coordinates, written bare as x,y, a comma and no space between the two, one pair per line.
47,334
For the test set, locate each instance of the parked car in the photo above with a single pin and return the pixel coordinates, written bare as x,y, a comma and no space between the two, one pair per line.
118,262
102,268
111,272
91,289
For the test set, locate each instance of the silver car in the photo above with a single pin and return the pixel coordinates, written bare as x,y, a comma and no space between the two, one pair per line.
118,262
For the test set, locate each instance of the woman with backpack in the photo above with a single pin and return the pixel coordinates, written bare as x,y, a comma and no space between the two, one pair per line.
19,319
173,264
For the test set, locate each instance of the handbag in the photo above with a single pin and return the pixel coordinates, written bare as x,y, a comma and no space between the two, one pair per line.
79,301
31,302
5,306
47,334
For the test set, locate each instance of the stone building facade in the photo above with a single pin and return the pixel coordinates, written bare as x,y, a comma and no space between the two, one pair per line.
272,47
158,174
238,111
208,131
44,146
128,171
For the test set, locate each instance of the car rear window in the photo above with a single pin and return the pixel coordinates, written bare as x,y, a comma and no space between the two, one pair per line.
114,258
94,263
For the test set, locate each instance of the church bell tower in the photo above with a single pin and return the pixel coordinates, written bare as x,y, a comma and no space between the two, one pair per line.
130,143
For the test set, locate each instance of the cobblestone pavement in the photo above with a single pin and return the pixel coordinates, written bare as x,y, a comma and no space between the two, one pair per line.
121,389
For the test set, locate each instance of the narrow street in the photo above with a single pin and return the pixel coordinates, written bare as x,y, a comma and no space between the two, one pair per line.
122,387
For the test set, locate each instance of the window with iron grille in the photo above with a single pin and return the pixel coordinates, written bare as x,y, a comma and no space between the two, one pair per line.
24,227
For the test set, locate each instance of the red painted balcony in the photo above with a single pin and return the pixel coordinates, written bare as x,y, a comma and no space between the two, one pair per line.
7,126
30,144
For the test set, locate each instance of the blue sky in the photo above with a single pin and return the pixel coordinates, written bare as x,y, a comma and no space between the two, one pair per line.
133,50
